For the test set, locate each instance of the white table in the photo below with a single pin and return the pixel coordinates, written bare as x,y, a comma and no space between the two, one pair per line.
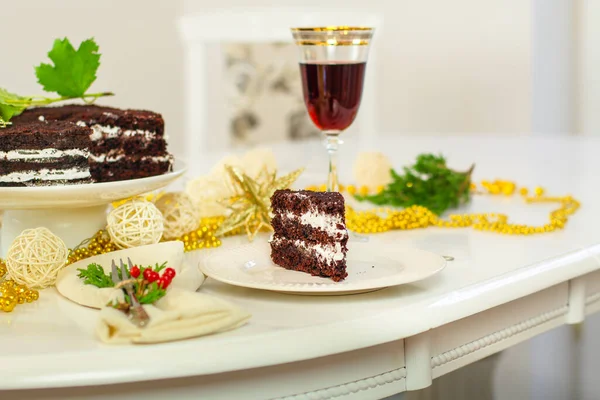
499,290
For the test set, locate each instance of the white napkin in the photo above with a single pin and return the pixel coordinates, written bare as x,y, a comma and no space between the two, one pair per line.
188,276
180,314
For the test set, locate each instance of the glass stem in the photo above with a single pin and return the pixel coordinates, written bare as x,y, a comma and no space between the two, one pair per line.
332,143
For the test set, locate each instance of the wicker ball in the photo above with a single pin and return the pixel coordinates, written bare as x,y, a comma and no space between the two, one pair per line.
372,169
35,257
179,213
135,223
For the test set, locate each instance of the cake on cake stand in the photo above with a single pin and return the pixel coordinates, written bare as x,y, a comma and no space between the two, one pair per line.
73,212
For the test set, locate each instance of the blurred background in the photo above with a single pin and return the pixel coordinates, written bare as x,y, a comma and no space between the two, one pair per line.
472,67
461,67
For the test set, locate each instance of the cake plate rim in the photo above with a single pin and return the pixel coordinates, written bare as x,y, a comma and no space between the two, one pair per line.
72,212
85,194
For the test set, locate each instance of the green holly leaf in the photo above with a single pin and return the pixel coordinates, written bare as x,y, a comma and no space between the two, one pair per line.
429,183
9,106
73,71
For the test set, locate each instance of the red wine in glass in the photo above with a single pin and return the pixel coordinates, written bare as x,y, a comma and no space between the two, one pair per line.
332,93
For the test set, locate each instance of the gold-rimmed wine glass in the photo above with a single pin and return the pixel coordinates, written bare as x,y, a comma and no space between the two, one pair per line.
333,61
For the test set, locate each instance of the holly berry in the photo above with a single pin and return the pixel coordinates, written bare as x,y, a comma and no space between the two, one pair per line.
163,282
170,272
150,275
134,271
147,273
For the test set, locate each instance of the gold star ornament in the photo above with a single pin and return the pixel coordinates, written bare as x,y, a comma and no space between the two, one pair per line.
250,206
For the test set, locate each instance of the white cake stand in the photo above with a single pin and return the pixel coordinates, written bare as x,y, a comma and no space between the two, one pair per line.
73,212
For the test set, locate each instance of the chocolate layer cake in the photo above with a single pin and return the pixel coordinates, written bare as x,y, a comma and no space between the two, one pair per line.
310,232
125,144
34,154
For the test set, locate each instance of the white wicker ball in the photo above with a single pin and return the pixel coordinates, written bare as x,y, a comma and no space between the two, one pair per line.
179,213
35,257
372,169
135,223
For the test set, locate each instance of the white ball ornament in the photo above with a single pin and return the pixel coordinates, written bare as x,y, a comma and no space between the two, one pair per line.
180,216
135,223
35,257
372,169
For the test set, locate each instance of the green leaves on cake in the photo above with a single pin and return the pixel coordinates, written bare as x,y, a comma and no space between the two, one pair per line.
429,183
70,76
9,107
73,71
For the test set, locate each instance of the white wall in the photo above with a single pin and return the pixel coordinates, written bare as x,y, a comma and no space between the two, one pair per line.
554,64
589,67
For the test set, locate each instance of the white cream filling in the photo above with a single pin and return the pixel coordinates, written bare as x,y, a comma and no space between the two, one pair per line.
328,223
109,132
325,222
42,154
114,158
46,174
327,253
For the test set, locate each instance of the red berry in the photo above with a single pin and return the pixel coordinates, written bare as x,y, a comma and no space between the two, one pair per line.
150,275
147,273
163,282
170,272
154,276
134,271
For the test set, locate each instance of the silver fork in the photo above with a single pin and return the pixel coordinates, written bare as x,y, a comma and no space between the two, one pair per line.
136,314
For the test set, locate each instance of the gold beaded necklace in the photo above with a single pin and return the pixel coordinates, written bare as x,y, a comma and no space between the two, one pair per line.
384,219
11,293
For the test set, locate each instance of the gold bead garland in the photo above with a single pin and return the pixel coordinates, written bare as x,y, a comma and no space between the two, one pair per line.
201,238
11,293
204,236
385,218
100,243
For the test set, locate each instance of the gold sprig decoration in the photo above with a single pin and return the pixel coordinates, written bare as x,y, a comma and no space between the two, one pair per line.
250,208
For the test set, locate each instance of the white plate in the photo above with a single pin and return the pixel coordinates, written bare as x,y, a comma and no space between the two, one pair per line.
84,195
370,266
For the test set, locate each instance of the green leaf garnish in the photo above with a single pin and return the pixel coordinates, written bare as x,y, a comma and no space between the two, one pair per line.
429,183
94,275
7,111
146,293
73,71
152,294
160,267
72,74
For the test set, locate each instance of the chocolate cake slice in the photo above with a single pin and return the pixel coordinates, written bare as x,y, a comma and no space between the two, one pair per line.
125,144
310,232
35,154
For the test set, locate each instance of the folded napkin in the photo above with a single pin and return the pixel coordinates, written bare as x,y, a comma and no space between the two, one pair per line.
180,314
187,277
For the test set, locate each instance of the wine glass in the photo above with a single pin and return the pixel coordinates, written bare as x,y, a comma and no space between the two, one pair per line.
332,64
